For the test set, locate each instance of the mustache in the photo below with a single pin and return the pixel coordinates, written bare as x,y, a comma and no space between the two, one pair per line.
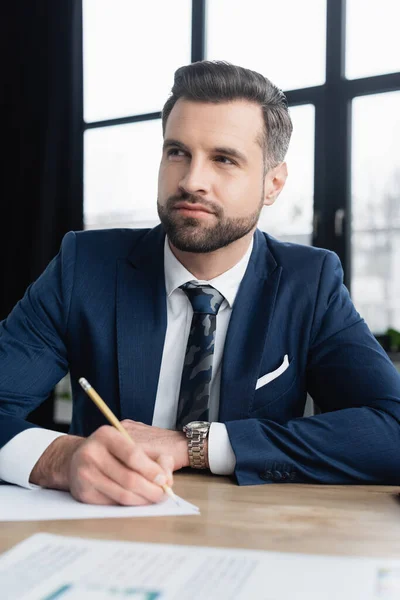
192,199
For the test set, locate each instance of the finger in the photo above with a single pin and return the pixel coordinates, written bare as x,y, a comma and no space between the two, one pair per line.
87,477
91,483
121,495
130,454
100,489
94,497
83,486
127,422
126,478
167,462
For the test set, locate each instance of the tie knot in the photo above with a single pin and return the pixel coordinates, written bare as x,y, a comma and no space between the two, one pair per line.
203,298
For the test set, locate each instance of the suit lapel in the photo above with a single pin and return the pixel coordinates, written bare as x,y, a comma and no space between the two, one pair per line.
141,317
247,332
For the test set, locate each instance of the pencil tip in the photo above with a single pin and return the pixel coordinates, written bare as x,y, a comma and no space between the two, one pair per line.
171,494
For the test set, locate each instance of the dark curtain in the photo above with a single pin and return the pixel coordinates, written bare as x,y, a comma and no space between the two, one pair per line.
41,139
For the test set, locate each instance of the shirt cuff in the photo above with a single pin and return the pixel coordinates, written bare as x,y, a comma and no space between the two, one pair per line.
21,453
221,458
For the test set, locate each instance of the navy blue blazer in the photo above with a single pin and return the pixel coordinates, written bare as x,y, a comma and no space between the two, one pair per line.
99,311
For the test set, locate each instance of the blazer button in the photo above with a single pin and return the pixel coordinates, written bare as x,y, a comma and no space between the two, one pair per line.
266,476
277,475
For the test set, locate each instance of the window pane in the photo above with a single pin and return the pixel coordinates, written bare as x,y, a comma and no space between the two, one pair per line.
278,39
121,172
130,51
372,40
376,209
290,218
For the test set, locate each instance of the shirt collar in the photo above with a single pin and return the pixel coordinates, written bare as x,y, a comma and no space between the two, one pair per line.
227,283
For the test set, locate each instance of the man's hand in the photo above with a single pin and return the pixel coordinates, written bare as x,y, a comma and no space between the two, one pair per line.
105,468
155,441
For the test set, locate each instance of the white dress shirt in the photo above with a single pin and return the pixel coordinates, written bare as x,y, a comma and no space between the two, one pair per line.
20,454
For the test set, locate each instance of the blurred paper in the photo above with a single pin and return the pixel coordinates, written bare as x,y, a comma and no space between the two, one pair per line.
49,567
39,504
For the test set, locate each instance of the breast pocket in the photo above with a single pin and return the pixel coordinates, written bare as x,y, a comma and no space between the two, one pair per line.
274,384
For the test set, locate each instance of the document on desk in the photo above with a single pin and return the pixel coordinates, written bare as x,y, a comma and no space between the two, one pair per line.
39,504
51,567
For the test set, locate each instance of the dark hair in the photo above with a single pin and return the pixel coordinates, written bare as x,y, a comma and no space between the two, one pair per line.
220,81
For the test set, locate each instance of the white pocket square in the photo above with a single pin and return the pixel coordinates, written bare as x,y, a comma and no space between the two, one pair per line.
274,374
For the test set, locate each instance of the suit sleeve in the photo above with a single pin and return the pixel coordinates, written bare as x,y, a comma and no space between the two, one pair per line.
33,354
356,438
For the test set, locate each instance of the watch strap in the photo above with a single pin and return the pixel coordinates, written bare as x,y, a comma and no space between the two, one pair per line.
196,447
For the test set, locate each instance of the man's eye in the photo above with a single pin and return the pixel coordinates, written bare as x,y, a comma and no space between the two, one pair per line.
224,160
175,152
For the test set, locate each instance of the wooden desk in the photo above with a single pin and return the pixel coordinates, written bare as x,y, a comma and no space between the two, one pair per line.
342,520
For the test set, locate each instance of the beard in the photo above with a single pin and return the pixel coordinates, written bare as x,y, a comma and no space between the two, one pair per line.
190,234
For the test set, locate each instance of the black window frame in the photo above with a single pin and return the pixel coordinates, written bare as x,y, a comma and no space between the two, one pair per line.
332,101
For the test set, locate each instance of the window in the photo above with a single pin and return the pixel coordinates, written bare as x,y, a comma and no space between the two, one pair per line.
121,171
290,217
372,37
130,52
376,209
278,39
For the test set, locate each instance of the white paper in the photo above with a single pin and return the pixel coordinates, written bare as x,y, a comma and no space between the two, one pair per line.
49,567
39,504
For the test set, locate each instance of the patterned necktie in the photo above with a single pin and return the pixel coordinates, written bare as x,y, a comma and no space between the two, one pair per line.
194,394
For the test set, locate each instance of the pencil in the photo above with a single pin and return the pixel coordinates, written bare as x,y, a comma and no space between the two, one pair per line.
107,412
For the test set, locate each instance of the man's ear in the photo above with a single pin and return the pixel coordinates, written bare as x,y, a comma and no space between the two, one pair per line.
274,181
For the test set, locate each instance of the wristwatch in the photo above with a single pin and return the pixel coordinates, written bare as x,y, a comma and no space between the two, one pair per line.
197,433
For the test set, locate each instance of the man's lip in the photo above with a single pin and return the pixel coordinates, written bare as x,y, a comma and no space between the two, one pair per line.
194,207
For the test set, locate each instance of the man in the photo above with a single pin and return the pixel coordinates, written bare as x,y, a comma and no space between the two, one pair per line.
204,341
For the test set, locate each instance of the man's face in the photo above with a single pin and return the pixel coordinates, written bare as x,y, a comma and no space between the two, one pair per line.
211,178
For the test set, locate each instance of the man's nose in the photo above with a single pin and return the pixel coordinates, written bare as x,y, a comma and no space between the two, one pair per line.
197,179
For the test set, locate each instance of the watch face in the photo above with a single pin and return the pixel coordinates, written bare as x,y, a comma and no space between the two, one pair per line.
198,425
